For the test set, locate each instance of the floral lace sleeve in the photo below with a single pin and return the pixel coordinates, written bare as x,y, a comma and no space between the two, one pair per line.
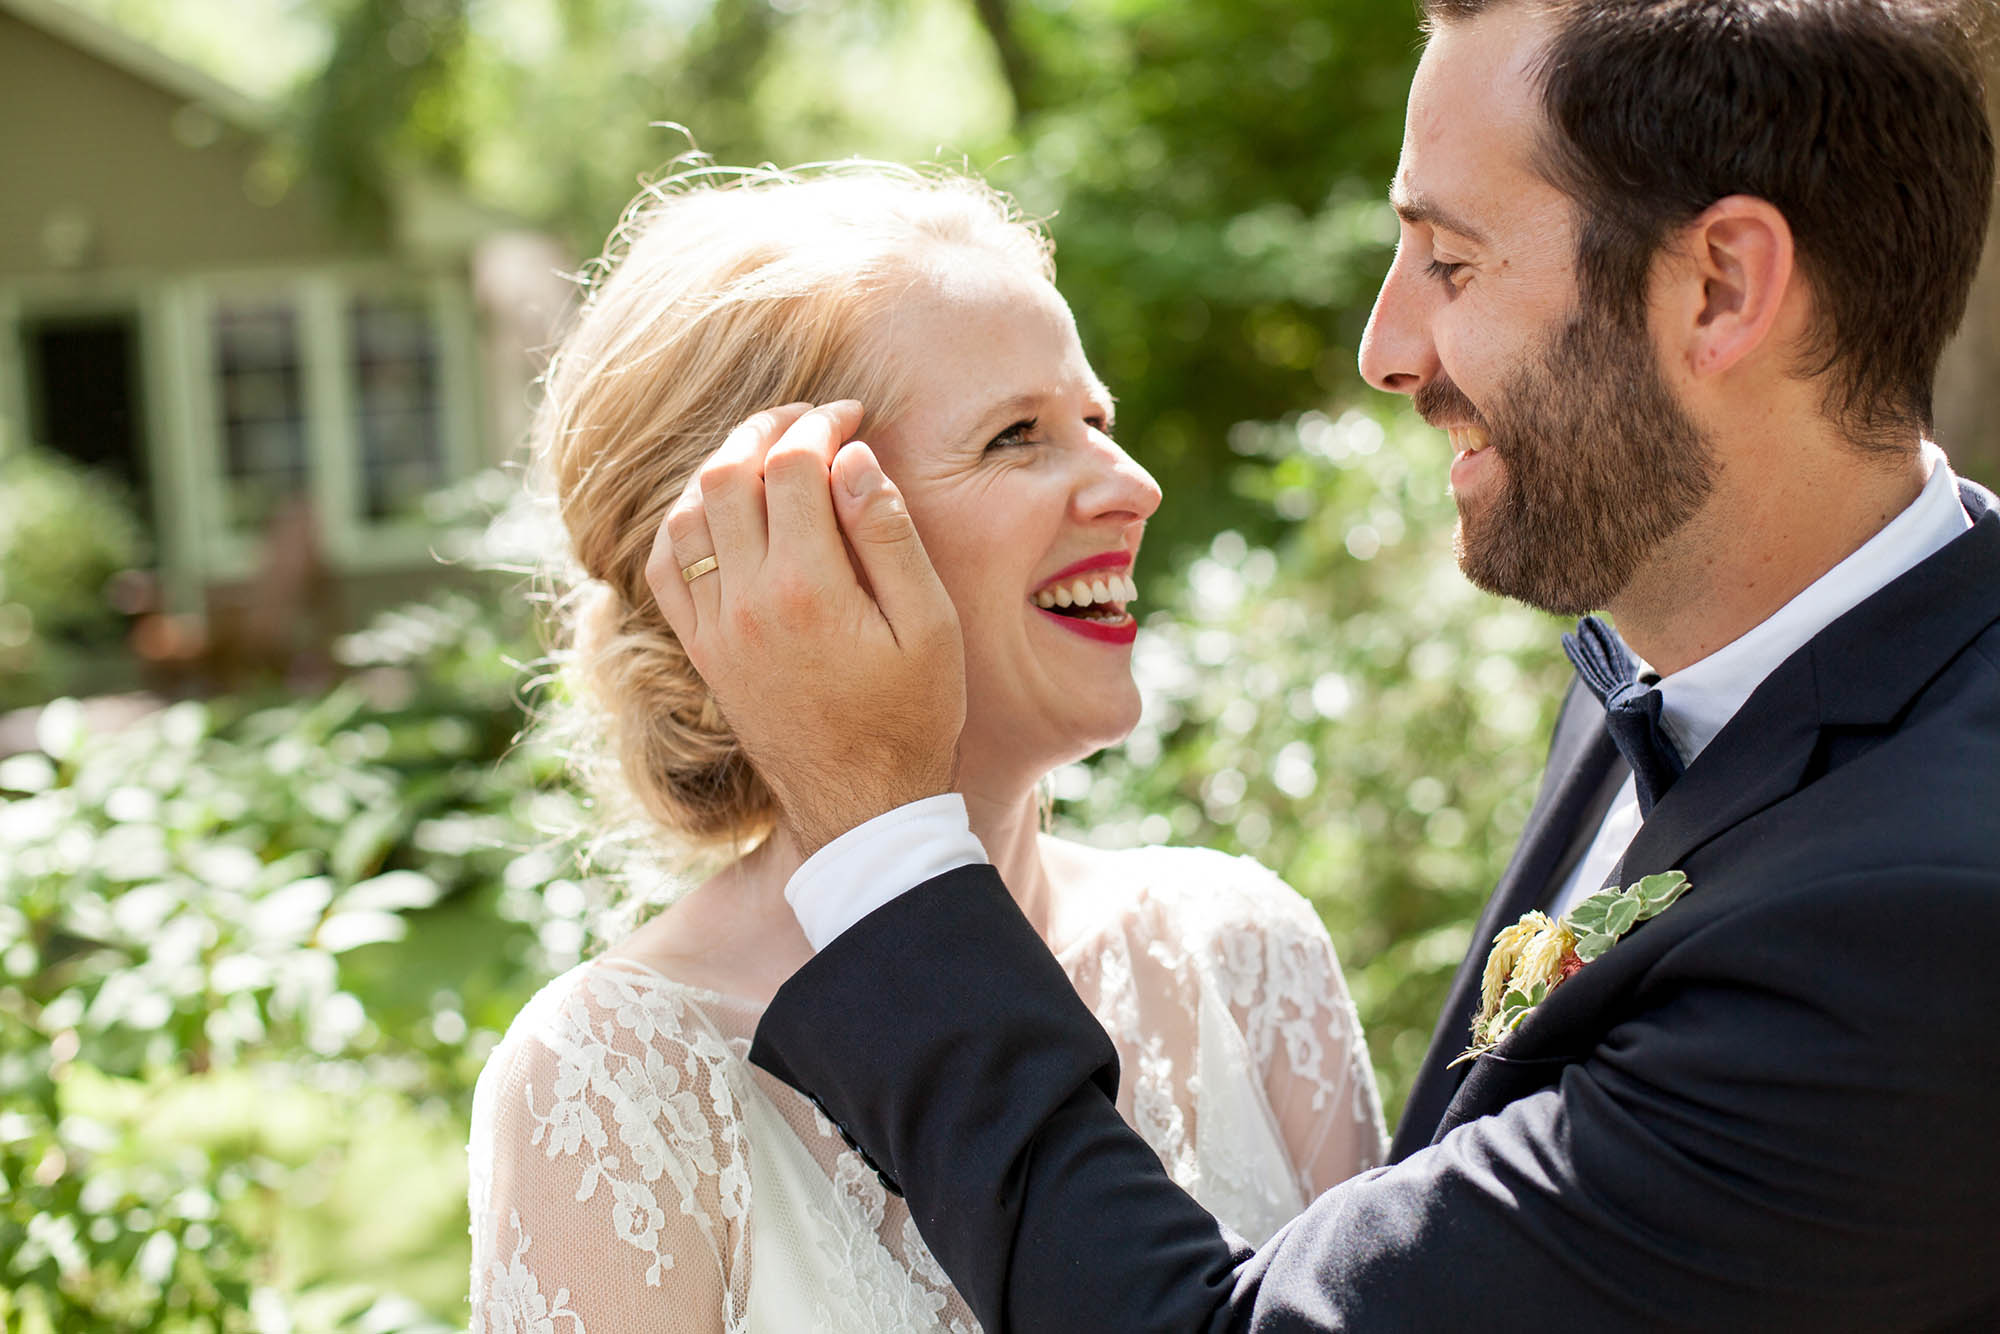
1276,964
1241,1060
610,1183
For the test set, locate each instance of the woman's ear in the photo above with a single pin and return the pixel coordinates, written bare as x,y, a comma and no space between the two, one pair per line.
1734,276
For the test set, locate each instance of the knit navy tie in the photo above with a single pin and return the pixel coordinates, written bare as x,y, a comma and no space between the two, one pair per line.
1631,707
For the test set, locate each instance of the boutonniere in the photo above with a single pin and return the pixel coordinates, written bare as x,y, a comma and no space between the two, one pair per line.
1538,953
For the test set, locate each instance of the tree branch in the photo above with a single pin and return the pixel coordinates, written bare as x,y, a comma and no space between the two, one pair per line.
1016,65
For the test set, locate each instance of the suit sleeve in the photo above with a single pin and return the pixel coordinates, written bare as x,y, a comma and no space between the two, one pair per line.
1778,1139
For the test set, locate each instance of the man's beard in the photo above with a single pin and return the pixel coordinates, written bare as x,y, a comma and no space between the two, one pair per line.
1602,465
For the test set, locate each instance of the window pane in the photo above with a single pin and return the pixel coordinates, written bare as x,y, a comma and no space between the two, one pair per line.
396,389
263,409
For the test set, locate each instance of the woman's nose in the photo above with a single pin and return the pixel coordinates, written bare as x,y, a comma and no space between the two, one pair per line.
1116,485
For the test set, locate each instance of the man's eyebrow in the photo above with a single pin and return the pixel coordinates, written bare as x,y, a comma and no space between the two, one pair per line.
1413,207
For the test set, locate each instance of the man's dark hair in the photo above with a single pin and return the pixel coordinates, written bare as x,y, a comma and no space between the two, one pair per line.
1862,121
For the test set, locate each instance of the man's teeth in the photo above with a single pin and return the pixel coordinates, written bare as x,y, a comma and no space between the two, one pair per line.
1089,592
1467,439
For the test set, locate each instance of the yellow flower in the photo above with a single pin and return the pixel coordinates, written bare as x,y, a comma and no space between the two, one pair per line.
1536,955
1507,948
1542,957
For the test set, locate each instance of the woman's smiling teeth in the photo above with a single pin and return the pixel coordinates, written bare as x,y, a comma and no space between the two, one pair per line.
1467,439
1107,593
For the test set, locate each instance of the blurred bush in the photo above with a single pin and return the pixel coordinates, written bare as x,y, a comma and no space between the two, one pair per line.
250,964
65,531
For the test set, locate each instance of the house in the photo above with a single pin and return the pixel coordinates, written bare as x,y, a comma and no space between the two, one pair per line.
174,310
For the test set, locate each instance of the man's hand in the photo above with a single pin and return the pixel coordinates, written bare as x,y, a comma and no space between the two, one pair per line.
843,678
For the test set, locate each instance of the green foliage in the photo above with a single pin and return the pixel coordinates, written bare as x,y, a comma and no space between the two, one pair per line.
64,532
386,103
1600,919
555,111
1346,707
1214,173
1514,1006
1217,177
250,964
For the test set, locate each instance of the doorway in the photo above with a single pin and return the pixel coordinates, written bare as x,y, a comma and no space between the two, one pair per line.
84,395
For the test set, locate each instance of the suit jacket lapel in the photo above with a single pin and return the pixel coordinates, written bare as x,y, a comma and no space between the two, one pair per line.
1758,759
1581,757
1860,672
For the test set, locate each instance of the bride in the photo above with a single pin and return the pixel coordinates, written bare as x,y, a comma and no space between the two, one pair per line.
629,1168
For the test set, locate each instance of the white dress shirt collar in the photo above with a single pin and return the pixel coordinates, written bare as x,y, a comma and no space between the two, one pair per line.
1698,701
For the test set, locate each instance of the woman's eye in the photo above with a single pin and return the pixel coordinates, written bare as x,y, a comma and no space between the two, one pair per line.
1020,433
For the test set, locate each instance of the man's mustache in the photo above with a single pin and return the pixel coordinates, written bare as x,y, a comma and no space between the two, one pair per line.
1444,405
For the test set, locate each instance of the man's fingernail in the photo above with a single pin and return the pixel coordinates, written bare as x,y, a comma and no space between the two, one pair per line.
864,477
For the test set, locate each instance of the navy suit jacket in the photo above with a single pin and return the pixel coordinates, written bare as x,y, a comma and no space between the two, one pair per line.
1774,1107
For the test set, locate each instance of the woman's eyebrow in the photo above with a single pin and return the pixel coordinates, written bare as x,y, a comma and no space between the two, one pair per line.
1005,412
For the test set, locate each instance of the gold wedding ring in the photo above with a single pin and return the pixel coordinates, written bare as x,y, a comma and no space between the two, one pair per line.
705,565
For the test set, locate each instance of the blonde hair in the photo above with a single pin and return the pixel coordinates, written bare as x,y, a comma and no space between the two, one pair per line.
721,292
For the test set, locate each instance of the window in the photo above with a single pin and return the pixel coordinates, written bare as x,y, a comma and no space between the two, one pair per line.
263,410
393,344
334,395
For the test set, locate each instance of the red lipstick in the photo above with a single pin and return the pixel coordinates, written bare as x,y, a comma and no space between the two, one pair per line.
1104,632
1109,560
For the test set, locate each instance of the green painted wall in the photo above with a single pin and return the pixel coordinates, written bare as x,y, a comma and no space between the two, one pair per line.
82,139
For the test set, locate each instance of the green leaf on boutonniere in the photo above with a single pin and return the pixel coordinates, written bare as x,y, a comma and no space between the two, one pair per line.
1657,892
1535,956
1514,1006
1622,916
1589,915
1590,945
1605,916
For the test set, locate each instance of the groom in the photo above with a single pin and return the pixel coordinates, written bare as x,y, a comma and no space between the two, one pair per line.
1674,274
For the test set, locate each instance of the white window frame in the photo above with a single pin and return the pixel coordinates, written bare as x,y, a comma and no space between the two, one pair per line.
182,398
322,298
354,541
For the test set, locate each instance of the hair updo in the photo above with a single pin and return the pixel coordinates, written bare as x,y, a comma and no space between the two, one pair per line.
721,293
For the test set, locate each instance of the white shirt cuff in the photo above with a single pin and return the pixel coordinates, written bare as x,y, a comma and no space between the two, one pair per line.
873,863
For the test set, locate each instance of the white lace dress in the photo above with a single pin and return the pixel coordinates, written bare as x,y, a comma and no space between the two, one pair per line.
632,1171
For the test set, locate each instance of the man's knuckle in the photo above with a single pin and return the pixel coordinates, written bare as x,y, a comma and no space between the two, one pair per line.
684,521
746,624
723,474
795,597
790,461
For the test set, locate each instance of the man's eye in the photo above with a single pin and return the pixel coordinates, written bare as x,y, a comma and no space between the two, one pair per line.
1020,433
1444,271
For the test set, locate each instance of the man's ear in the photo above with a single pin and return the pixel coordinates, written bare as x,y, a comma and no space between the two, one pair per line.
1733,283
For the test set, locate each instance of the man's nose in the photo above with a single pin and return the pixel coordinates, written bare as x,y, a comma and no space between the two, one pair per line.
1397,353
